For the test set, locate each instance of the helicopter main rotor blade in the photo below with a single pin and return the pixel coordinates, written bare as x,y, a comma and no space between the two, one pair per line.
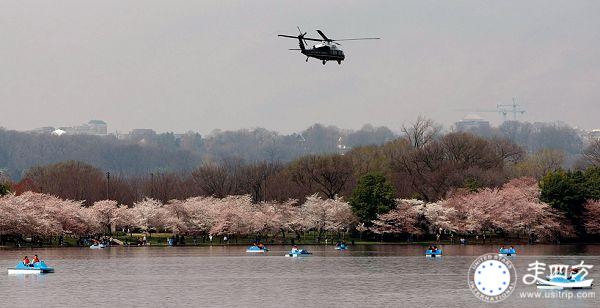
304,38
323,36
313,39
359,39
294,49
289,36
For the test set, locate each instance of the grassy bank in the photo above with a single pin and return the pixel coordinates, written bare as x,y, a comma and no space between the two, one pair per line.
308,238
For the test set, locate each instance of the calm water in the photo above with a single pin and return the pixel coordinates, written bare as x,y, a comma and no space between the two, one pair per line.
364,276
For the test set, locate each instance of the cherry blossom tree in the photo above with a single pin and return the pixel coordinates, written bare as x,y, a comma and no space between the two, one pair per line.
106,213
232,215
43,216
192,216
513,208
592,217
124,218
326,215
266,219
402,219
288,213
439,216
148,214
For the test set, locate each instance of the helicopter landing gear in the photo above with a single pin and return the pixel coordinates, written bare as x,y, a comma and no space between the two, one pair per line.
324,62
306,59
339,62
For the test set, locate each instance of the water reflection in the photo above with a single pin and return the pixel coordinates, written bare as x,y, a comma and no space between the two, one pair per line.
373,275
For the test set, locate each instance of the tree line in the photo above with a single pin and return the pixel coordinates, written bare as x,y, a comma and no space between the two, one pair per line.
422,164
427,171
139,155
514,209
462,180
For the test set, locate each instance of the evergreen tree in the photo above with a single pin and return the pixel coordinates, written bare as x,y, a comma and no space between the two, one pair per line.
372,196
4,189
592,183
566,191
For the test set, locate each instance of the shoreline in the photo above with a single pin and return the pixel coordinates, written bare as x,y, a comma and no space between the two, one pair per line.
313,244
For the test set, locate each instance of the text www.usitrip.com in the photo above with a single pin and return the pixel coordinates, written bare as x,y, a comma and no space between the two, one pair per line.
559,295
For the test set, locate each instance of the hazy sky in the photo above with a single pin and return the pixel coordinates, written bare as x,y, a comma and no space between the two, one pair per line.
201,65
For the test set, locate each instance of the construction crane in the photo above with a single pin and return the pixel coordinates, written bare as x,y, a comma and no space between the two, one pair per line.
503,109
513,108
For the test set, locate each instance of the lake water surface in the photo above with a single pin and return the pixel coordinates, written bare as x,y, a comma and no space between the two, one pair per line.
363,276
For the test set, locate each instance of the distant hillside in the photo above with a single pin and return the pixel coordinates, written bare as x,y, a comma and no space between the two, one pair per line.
20,151
168,152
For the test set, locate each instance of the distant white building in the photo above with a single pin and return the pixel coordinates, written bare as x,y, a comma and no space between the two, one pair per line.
142,132
595,134
97,127
473,122
93,127
58,132
43,130
138,135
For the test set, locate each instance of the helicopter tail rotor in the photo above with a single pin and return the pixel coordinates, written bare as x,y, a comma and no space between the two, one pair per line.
301,36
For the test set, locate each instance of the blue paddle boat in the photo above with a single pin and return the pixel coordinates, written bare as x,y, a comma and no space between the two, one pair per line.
257,249
558,280
37,268
507,252
341,247
97,246
433,253
298,253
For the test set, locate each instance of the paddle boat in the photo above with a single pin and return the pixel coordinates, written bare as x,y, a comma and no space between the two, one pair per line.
558,280
341,246
37,268
298,253
98,246
433,253
257,249
507,252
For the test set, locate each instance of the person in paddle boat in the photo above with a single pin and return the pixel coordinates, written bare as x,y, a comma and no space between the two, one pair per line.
502,249
35,260
573,272
295,249
26,261
512,248
260,246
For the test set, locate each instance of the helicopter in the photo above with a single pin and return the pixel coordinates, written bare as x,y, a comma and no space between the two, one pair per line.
326,50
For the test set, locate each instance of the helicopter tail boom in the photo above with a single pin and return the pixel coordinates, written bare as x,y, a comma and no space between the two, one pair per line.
301,43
